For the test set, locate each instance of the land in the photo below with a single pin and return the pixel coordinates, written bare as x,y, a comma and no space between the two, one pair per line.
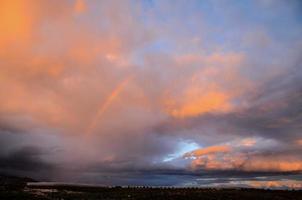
18,188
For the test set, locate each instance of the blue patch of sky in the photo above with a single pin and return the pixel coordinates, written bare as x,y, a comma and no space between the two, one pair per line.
221,25
183,147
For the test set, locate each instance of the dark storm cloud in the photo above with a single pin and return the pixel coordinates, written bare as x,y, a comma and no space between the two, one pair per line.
276,107
10,126
24,159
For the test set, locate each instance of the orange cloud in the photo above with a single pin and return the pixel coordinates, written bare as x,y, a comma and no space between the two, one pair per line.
50,67
20,22
275,184
283,164
209,89
225,157
299,142
15,21
208,150
197,103
80,6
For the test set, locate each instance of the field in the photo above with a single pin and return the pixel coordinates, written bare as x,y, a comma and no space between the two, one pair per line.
18,189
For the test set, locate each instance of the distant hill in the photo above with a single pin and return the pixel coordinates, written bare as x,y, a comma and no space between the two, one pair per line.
13,182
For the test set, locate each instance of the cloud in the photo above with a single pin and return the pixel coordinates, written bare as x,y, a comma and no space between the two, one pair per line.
26,158
80,6
207,90
121,85
208,151
288,184
245,158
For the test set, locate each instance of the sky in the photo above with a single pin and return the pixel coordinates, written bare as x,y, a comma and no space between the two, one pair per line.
164,93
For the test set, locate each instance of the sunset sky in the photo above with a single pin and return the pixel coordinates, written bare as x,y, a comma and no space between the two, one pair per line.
133,92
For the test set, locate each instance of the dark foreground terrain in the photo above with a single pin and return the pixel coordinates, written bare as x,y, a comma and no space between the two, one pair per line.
12,188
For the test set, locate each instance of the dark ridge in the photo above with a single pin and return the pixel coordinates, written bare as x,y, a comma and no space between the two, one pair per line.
12,187
8,182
